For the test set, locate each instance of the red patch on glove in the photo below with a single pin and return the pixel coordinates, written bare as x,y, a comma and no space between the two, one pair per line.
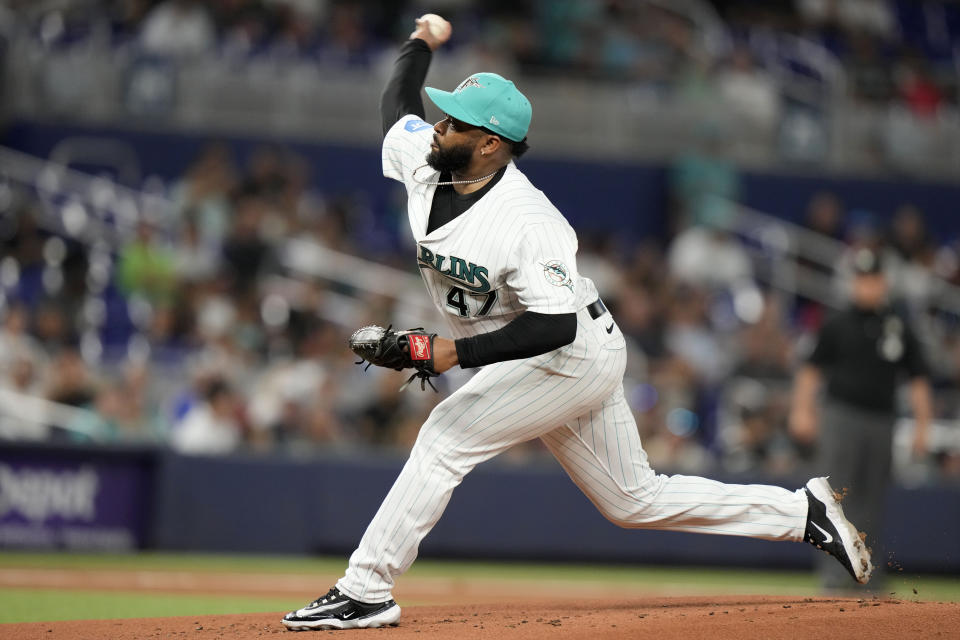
419,347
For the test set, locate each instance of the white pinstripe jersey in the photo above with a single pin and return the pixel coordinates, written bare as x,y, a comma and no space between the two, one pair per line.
512,251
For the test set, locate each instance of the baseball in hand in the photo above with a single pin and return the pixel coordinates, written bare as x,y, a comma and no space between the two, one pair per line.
439,28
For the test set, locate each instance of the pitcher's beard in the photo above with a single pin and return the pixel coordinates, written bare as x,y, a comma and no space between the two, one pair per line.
452,160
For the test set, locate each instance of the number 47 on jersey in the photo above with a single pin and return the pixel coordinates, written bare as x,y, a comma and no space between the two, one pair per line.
464,302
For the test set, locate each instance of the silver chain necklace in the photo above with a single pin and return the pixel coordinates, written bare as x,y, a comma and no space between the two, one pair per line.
449,182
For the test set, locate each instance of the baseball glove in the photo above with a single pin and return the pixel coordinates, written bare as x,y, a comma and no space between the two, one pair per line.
410,349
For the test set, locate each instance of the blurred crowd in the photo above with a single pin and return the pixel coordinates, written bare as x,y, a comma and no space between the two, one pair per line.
193,333
890,51
190,323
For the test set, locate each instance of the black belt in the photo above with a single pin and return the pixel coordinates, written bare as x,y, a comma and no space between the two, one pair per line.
596,308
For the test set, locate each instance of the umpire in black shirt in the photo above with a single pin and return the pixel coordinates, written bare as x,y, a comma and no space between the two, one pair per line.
861,353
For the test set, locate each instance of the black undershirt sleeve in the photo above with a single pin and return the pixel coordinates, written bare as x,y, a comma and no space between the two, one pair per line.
527,335
401,96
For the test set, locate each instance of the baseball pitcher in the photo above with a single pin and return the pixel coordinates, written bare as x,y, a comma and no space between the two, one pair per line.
499,260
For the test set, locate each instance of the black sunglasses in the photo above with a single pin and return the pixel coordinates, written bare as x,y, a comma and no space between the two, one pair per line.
460,125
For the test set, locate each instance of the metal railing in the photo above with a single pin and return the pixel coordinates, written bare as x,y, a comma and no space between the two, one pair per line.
791,249
90,209
36,416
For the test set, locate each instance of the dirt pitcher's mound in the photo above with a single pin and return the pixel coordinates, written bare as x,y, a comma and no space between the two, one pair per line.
716,618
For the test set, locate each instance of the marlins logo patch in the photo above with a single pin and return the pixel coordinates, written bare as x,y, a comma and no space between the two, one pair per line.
557,274
469,82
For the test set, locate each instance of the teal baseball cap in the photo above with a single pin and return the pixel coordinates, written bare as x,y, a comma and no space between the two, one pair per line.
487,100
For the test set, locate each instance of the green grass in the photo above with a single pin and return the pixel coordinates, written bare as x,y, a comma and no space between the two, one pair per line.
157,561
47,605
21,605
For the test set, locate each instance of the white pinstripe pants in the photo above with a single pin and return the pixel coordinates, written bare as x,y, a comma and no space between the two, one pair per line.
579,387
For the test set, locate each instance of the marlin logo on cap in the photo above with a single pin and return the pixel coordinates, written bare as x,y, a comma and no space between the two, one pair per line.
469,82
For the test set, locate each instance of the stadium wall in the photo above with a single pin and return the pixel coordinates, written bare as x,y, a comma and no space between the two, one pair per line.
116,498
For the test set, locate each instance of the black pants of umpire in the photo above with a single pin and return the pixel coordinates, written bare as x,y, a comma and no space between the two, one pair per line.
855,450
